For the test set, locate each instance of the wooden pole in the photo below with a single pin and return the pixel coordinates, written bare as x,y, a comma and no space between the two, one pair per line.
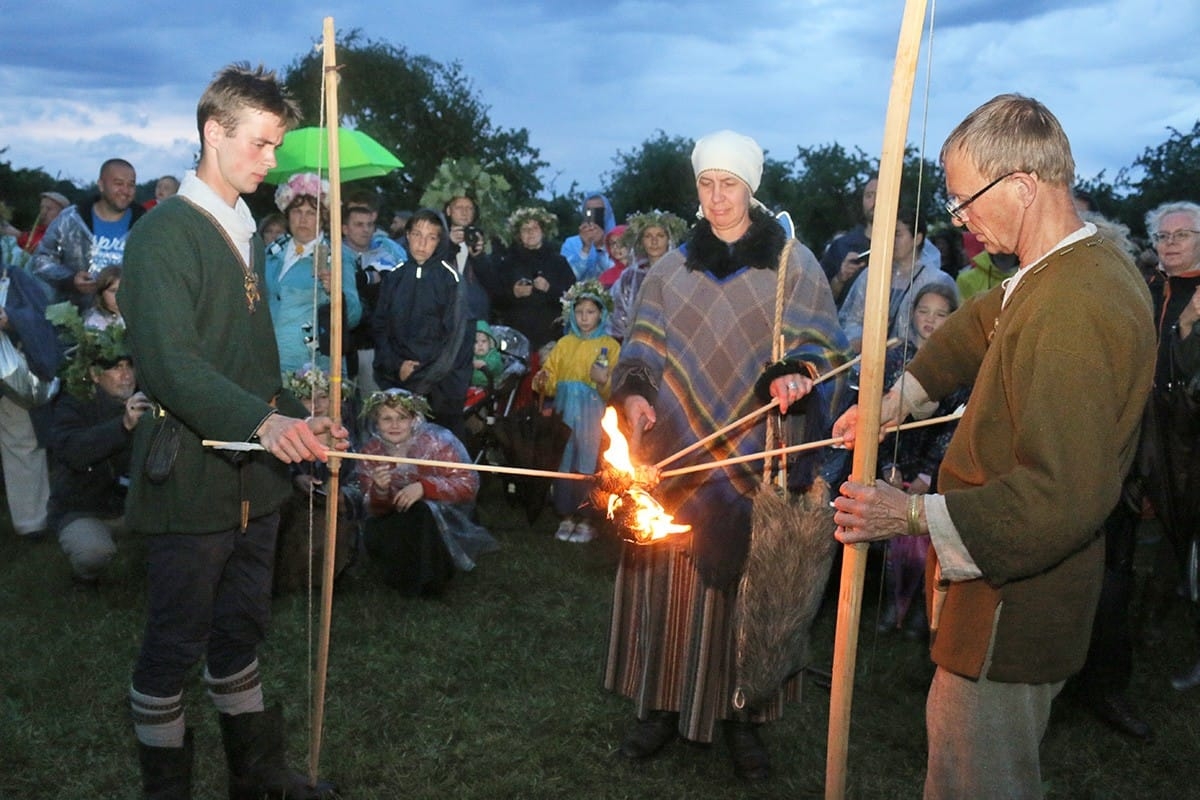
875,317
330,76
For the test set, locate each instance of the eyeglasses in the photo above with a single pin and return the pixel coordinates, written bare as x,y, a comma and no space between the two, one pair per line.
1170,237
956,209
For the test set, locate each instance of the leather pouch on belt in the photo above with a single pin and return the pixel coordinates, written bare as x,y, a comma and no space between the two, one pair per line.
164,447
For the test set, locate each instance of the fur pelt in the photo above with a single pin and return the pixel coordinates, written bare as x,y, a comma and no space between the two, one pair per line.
759,248
791,553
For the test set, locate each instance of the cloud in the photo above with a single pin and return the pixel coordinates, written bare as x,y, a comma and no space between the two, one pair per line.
590,79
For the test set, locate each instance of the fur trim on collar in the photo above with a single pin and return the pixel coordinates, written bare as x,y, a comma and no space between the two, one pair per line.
759,248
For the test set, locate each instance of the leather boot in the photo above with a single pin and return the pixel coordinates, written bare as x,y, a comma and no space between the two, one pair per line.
650,735
167,771
1116,710
254,750
751,762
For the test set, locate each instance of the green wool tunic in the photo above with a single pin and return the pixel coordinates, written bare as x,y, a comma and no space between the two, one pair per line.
1061,375
209,361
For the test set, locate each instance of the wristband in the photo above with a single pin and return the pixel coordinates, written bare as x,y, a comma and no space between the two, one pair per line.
914,515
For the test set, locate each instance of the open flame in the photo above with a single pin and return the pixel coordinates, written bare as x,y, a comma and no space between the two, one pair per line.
640,518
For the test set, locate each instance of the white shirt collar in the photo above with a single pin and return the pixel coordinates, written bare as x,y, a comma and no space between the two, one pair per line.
236,220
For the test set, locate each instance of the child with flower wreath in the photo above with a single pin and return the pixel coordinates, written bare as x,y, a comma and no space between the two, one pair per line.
576,374
418,529
302,516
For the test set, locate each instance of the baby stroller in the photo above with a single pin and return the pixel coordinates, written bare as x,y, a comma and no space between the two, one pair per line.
484,405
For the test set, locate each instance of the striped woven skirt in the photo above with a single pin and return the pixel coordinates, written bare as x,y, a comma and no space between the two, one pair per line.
671,642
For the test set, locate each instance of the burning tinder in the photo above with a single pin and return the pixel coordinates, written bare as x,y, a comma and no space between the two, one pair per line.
624,491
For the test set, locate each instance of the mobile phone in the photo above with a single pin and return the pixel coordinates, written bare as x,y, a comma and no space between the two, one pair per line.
594,216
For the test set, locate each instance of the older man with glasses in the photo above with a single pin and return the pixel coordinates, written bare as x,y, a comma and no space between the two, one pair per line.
1060,358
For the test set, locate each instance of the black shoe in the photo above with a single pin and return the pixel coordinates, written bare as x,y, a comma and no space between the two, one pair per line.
650,735
751,761
1187,680
1115,710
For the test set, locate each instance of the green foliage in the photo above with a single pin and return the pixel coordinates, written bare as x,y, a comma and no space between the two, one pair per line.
424,111
464,177
655,175
822,190
21,190
1105,197
1167,173
84,348
566,207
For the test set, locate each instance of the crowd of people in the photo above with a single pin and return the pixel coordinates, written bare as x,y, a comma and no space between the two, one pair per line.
1006,539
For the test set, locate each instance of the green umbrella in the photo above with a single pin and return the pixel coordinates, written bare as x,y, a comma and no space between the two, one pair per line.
306,149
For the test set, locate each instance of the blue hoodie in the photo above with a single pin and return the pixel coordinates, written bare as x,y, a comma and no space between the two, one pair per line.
591,264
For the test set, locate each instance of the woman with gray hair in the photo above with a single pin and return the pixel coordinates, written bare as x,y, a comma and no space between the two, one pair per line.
1173,461
693,359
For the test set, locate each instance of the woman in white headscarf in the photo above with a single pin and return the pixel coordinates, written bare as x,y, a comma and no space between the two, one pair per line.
693,359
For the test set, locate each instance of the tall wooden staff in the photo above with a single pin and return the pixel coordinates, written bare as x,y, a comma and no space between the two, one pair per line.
330,76
875,319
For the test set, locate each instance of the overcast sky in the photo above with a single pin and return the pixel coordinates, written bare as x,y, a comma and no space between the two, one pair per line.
84,80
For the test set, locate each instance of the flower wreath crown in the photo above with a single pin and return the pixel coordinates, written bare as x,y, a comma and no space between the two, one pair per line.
676,228
304,381
413,404
591,289
300,185
541,216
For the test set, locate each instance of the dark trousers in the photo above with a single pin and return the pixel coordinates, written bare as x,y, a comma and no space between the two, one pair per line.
407,548
208,596
1109,664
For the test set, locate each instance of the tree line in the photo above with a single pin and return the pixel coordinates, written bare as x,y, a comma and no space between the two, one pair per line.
430,114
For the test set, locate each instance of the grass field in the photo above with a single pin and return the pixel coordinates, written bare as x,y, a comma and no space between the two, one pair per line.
494,692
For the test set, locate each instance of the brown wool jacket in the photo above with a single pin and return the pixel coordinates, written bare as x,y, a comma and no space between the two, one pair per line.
1060,378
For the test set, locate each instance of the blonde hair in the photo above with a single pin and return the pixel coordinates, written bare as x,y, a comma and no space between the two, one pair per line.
238,87
1013,133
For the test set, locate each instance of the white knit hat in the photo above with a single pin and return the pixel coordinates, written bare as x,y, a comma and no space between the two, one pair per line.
730,152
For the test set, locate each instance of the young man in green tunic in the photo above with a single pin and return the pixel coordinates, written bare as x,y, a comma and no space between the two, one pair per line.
202,338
